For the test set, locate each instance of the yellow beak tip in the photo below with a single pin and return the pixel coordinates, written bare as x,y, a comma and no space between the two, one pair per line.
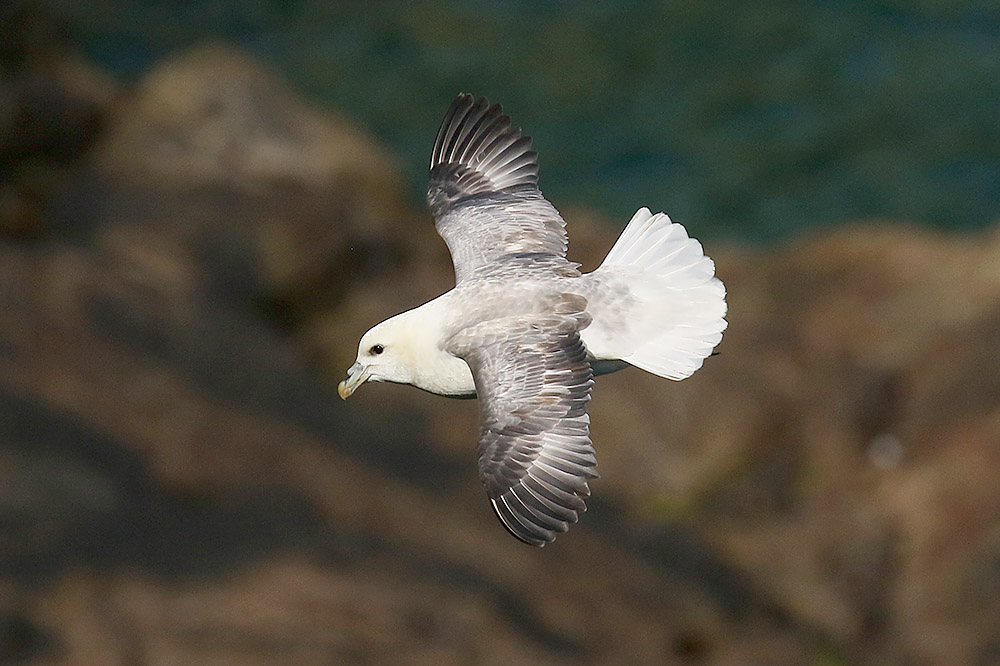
343,391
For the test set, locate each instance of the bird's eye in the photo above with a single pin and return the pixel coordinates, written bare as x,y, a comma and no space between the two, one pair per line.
376,350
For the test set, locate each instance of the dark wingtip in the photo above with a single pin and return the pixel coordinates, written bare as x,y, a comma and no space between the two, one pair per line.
530,533
476,150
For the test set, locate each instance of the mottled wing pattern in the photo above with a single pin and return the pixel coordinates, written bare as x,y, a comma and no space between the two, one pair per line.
535,454
483,189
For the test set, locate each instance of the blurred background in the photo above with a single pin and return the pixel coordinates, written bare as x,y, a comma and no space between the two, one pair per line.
203,205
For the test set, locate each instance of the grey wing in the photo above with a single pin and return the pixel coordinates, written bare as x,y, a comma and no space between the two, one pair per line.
535,454
483,189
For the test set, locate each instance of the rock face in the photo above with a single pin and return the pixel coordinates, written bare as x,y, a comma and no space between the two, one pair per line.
51,107
179,483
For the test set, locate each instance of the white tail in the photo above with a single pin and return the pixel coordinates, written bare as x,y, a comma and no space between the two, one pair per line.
655,300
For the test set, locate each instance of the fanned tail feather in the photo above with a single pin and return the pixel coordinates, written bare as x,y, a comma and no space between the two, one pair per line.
678,310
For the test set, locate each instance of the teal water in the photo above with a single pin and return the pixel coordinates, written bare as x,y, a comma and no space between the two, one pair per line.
747,120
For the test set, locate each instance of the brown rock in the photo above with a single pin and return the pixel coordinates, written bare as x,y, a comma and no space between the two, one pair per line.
52,107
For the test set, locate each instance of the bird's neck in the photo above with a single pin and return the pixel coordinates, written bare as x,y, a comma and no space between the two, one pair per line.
432,368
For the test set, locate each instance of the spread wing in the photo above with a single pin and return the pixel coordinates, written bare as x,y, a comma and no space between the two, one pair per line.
483,189
535,454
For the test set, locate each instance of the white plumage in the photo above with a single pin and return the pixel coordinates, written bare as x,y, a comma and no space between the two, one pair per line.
525,331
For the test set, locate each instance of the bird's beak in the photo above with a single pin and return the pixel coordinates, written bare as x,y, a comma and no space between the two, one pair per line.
356,376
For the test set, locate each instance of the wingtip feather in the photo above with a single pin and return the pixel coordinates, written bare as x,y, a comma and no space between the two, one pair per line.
478,137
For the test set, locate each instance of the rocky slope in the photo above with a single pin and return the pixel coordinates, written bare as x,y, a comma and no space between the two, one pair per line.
180,484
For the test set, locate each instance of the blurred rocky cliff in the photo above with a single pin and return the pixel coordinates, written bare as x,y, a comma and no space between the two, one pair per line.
185,268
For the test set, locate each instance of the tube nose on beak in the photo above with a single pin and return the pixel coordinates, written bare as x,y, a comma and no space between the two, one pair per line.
356,376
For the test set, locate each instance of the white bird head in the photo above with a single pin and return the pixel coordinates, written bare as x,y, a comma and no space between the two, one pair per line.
385,354
407,349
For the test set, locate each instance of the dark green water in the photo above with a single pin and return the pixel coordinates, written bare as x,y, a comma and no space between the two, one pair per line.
744,119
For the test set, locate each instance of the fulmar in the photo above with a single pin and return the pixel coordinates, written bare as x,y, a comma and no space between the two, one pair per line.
525,331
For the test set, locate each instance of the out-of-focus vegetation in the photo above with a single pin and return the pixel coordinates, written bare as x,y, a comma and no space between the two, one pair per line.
746,120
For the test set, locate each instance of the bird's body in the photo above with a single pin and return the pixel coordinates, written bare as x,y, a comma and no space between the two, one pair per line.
525,331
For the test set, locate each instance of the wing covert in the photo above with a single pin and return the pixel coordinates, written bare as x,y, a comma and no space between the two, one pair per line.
483,190
535,453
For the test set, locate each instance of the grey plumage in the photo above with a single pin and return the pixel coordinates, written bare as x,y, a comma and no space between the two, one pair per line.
483,190
535,454
508,246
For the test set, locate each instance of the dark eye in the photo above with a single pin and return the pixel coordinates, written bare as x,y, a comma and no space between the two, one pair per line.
376,350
